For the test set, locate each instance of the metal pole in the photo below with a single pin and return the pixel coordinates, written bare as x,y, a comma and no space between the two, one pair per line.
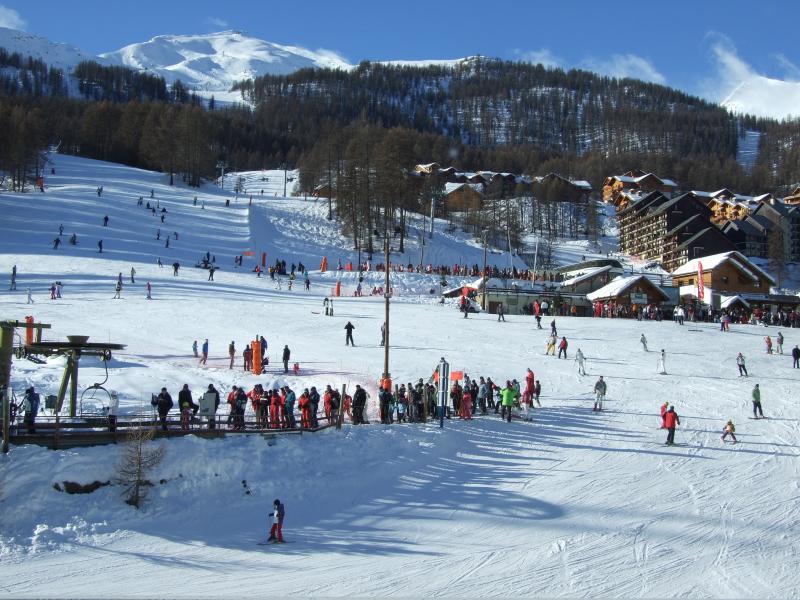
483,297
535,257
386,296
444,382
433,206
284,180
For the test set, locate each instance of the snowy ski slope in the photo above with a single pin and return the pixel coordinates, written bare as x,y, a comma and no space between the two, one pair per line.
573,504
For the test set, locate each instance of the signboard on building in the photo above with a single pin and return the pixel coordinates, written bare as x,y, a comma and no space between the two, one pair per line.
638,298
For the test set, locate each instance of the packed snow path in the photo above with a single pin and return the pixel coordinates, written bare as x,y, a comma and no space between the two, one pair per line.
574,504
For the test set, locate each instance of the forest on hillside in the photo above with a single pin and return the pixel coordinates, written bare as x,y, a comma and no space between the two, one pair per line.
363,130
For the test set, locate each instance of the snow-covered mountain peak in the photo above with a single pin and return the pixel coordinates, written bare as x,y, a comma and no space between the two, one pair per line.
54,54
215,61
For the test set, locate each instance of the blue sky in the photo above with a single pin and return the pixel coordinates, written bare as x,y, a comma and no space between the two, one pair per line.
692,45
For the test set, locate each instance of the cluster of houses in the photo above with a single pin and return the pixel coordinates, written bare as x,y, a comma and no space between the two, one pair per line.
658,223
727,281
469,190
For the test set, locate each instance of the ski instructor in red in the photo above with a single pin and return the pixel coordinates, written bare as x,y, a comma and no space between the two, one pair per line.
275,534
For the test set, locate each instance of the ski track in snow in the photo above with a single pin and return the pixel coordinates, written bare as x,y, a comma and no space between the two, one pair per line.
575,503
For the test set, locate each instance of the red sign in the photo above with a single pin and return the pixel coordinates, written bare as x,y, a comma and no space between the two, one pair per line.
701,292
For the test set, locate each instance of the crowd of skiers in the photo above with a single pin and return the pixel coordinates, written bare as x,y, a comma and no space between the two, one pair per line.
417,402
278,408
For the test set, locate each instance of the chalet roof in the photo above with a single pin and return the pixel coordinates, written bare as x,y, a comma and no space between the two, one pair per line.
728,301
585,275
760,222
700,234
779,208
620,285
579,183
664,206
449,188
685,222
737,259
643,202
637,177
748,226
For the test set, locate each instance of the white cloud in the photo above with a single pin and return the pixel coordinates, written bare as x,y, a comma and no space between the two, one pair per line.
11,19
625,65
216,22
742,89
545,57
792,71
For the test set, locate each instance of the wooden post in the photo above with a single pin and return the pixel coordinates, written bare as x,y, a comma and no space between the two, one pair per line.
73,390
6,417
340,416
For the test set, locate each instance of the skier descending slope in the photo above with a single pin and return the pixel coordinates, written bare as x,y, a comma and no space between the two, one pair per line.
600,394
277,514
671,420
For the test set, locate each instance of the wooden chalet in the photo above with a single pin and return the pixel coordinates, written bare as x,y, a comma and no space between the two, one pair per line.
325,190
463,196
728,273
634,289
636,180
793,199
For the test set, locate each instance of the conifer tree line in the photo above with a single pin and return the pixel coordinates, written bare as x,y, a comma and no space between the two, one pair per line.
364,130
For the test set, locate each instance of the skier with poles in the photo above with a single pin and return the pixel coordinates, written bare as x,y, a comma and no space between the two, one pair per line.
581,360
671,420
600,389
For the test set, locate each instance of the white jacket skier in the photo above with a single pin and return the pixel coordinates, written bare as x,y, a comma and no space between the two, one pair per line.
581,360
662,363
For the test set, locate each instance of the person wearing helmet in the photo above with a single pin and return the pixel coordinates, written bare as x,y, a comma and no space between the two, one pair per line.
277,514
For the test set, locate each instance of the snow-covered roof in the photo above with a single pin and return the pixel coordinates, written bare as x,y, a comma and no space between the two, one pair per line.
640,178
618,286
449,188
726,301
584,274
739,260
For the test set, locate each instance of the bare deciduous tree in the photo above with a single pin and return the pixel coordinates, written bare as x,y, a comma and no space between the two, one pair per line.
137,460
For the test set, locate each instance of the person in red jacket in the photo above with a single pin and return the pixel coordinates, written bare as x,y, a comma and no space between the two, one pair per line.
465,408
255,401
304,402
527,395
232,404
562,347
671,420
275,410
664,408
327,400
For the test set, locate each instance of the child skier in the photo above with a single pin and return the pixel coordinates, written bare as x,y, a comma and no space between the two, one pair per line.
664,408
277,514
729,430
643,340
